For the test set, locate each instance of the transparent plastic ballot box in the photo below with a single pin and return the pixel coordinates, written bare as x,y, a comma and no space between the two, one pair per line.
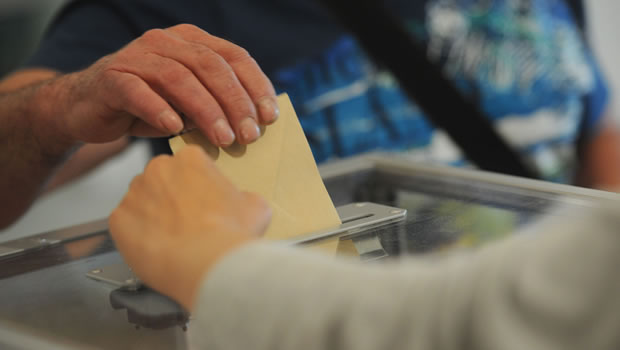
69,288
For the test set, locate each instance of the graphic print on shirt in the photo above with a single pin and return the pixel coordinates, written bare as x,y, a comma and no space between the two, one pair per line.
523,61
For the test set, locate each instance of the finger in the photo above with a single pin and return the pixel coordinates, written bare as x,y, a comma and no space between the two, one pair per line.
136,250
161,182
194,154
195,157
157,165
222,81
131,94
258,87
140,128
178,84
253,79
215,75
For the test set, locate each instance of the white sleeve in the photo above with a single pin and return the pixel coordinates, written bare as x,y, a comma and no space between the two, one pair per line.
556,289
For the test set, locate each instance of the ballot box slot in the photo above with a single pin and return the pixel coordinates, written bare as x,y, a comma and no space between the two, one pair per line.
359,217
355,217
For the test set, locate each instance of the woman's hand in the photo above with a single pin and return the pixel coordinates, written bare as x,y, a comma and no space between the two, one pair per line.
179,218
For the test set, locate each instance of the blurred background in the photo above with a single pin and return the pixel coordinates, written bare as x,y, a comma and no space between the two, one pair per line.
22,22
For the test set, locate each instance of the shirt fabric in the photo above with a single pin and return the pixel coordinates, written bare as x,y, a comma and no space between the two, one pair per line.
523,62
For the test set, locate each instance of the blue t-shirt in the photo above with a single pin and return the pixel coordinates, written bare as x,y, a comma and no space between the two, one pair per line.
523,62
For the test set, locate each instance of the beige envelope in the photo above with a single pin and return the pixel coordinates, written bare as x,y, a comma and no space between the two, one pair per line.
280,167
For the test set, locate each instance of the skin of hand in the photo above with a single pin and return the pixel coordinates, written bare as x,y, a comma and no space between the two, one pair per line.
139,90
600,167
142,88
179,218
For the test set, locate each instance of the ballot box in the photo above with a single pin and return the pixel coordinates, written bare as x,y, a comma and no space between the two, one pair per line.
69,289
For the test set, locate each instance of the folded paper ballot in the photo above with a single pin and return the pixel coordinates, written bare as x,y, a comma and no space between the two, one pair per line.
280,167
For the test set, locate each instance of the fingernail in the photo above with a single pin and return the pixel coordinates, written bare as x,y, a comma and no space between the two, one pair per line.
171,122
249,130
224,134
268,110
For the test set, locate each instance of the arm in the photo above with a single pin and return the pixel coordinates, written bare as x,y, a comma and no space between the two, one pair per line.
45,117
32,144
555,288
600,167
542,291
80,162
84,159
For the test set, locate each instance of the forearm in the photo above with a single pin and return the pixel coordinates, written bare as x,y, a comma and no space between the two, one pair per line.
600,166
554,289
33,144
287,299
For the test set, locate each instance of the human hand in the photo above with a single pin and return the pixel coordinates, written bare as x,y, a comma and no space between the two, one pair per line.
139,89
179,218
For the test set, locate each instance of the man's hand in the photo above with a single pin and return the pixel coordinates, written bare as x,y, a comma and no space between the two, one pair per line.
143,88
179,218
139,90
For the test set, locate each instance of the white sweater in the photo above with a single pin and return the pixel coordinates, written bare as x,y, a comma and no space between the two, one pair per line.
558,288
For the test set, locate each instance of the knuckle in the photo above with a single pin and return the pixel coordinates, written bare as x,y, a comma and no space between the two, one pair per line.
193,156
121,57
114,219
185,27
152,36
157,164
133,186
210,61
257,203
125,83
108,80
175,74
237,54
241,100
239,103
191,151
108,73
205,55
124,87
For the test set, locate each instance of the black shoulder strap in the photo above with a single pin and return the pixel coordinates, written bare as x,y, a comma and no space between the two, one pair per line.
388,43
577,8
583,137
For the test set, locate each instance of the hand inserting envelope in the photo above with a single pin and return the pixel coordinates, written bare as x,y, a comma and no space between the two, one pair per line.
280,167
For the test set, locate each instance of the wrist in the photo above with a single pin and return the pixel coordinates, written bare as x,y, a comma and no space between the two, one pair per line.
50,106
201,272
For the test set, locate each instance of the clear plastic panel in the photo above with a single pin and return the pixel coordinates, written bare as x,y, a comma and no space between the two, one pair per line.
46,296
